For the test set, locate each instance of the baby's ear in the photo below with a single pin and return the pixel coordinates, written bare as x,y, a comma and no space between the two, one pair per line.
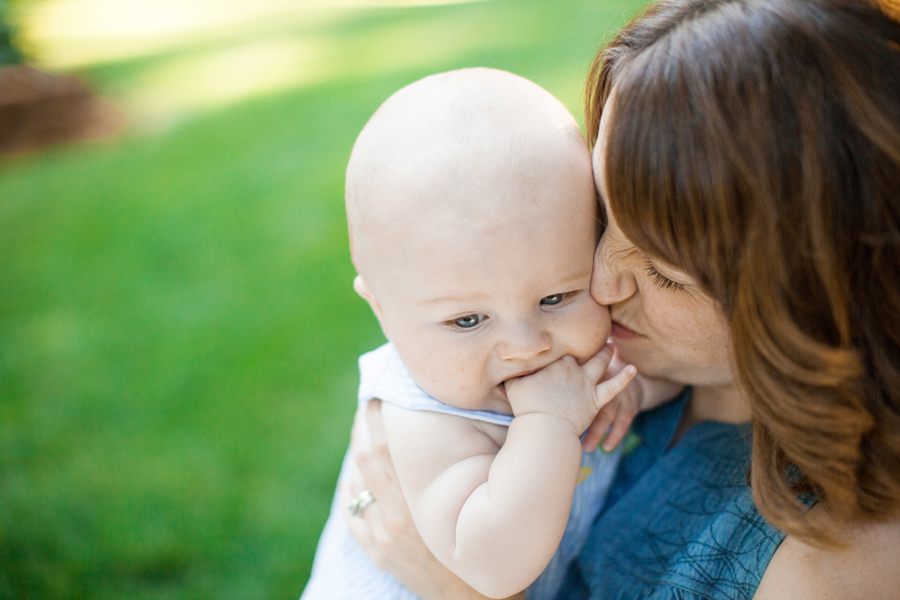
363,290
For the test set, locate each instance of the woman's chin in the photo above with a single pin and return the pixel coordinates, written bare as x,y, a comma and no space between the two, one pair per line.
631,353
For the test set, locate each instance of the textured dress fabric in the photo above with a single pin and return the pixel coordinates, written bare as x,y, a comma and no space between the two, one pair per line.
343,571
679,521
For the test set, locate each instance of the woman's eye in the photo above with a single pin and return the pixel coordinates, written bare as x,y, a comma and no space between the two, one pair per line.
554,299
468,321
661,280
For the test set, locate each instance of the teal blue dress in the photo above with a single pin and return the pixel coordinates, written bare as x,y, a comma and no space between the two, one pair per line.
679,522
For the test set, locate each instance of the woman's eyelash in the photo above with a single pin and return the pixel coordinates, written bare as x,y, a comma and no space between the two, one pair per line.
661,280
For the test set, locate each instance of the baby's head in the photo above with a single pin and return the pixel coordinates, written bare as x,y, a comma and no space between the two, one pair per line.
473,222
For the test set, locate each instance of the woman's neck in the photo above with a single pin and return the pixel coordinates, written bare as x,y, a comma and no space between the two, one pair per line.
722,403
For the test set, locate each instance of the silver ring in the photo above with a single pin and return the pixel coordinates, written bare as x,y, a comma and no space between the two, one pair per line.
358,504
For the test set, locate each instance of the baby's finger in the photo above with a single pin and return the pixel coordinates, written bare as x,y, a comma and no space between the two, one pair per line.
596,366
607,390
621,422
597,429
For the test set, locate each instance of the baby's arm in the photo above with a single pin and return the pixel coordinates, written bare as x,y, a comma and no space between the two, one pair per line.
493,511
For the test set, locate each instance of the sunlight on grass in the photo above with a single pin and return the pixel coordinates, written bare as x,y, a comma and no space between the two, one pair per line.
219,78
76,33
184,84
207,54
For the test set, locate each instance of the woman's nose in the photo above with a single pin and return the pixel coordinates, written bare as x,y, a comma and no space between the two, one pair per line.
523,342
611,281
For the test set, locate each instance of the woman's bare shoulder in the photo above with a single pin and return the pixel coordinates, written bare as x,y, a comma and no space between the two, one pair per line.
867,567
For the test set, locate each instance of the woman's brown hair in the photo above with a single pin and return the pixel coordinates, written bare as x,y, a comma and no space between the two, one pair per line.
755,144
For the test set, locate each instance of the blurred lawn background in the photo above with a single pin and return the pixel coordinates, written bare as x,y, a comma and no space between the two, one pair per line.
178,332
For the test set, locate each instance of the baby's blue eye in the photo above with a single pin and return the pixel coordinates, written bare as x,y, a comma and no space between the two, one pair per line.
551,300
469,321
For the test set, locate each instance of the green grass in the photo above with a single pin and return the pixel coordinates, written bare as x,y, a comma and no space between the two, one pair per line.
178,332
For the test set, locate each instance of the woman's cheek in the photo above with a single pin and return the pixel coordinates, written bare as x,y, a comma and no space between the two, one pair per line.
673,317
690,327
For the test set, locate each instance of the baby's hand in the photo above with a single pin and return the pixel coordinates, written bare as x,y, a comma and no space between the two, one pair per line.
567,390
615,417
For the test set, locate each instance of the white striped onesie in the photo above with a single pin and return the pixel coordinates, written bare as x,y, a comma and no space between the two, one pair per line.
343,571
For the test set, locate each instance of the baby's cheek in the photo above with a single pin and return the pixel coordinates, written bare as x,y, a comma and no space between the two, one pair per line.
426,366
603,324
592,330
446,375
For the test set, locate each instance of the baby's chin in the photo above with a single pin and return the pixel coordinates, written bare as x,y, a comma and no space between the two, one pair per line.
493,400
496,401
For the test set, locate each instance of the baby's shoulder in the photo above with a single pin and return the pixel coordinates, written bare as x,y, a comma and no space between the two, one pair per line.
425,444
430,428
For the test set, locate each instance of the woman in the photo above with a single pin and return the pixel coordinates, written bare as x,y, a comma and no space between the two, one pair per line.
748,155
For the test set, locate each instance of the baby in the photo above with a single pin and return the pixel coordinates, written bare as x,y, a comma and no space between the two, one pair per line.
473,222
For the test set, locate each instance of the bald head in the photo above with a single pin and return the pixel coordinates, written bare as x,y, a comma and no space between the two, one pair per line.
474,144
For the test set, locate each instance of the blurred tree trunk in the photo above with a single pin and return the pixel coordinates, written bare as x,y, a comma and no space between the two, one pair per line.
40,109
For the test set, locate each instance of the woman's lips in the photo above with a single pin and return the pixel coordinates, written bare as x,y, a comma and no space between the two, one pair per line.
621,332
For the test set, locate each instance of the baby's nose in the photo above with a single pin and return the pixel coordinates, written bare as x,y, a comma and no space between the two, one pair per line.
524,342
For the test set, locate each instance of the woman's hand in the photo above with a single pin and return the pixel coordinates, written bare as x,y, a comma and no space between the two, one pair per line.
385,528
